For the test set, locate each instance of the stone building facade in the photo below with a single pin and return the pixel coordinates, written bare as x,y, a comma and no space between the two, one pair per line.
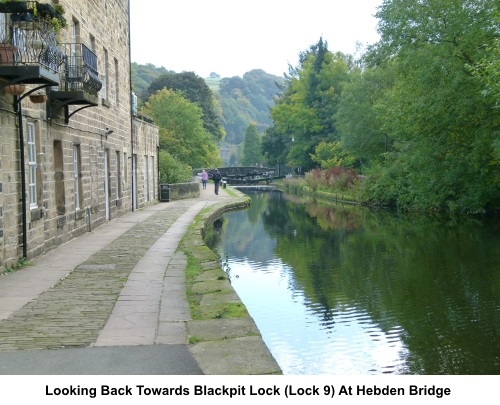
81,157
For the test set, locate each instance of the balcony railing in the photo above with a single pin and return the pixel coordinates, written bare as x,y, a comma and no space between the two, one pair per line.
79,70
28,40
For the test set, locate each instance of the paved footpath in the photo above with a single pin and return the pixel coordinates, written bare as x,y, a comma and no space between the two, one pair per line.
112,301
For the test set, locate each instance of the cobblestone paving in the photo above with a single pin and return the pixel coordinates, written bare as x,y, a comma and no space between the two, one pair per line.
72,312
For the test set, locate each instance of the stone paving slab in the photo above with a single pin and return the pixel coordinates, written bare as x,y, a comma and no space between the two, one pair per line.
114,302
235,357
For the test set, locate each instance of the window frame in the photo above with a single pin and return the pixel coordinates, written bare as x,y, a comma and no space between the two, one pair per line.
32,164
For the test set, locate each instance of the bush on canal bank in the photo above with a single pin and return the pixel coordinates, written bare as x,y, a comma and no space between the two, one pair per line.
341,187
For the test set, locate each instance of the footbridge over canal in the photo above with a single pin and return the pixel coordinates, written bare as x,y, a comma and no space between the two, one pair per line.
245,174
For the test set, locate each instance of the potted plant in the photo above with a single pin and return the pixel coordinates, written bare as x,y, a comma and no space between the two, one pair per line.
29,10
53,14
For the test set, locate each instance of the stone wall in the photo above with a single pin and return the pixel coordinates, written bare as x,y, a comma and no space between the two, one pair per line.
181,191
98,166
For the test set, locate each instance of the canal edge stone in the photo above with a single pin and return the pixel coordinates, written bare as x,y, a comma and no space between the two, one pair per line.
230,346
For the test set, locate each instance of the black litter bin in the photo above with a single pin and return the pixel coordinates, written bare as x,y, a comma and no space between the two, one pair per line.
164,193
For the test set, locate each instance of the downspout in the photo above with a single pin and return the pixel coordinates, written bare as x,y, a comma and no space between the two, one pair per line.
18,106
131,111
158,172
18,109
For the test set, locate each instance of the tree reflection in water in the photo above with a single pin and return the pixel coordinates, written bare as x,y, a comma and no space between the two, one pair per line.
340,289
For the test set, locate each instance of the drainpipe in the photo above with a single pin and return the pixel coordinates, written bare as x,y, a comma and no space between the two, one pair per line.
131,112
158,171
18,107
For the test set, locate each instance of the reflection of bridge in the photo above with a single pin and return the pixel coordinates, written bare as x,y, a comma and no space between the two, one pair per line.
246,174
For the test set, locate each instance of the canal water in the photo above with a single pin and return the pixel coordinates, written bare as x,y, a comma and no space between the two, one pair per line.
338,290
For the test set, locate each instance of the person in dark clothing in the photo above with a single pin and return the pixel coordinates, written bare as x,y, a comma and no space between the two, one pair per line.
216,177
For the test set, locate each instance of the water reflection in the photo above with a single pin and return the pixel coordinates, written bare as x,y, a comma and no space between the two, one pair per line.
342,290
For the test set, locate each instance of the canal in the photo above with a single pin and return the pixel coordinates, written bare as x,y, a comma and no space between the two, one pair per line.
338,290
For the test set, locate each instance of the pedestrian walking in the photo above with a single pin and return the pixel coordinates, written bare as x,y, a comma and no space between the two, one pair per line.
204,179
216,177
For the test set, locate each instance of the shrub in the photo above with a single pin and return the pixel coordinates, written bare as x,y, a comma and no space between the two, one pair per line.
173,171
335,178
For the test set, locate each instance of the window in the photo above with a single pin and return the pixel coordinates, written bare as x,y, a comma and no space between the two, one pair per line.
76,176
73,57
32,165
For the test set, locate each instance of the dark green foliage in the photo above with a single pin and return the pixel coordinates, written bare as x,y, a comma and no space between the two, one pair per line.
246,101
236,102
251,147
419,115
442,124
195,90
181,130
172,170
142,76
357,120
275,146
304,114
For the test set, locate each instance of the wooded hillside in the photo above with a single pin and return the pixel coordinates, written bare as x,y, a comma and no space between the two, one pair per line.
241,100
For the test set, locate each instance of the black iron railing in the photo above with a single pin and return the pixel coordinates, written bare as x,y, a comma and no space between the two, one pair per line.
80,69
26,39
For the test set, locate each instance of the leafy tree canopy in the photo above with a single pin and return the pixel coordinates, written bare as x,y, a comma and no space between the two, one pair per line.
246,101
251,147
195,90
443,126
305,112
142,76
172,170
181,129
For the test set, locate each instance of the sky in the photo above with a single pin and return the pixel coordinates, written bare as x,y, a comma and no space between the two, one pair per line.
232,37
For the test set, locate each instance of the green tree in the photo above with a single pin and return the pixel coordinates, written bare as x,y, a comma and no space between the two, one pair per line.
194,89
442,124
142,76
305,112
488,71
251,147
246,100
181,129
331,154
358,122
172,170
275,146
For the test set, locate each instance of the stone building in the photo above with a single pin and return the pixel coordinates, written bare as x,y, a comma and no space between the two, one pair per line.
73,153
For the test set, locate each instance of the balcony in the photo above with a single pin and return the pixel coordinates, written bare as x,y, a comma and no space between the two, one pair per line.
29,53
79,79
